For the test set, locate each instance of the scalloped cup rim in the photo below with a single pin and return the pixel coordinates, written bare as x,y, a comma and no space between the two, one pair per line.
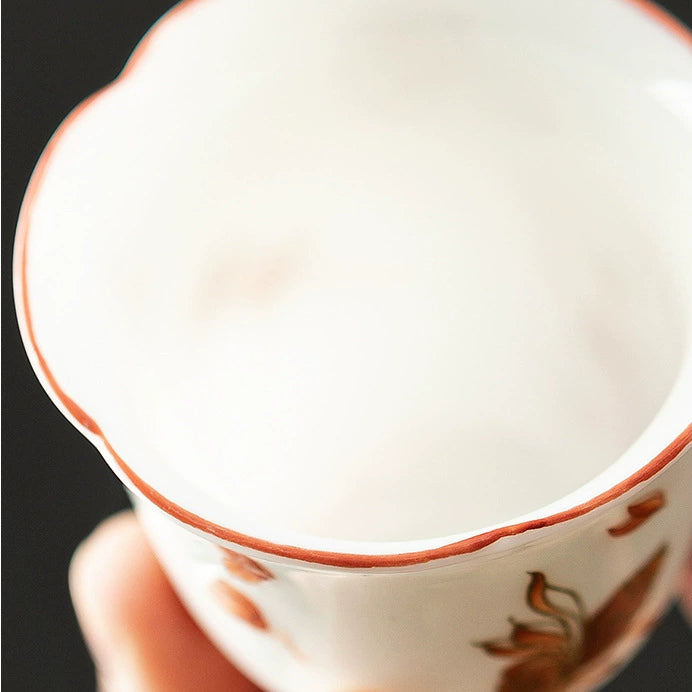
664,440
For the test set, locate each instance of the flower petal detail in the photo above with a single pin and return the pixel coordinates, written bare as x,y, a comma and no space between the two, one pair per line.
239,604
524,635
538,600
639,512
541,673
503,648
547,659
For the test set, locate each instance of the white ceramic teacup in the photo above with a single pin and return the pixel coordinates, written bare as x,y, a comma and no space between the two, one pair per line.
382,312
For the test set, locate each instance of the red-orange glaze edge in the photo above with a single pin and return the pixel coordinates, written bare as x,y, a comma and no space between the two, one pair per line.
322,557
661,15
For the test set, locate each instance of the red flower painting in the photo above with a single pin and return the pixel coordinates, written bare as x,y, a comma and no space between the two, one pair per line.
550,653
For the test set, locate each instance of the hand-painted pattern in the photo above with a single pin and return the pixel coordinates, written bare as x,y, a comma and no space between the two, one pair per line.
239,605
638,513
244,567
551,653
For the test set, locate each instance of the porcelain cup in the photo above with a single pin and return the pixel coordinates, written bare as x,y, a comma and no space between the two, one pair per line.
557,597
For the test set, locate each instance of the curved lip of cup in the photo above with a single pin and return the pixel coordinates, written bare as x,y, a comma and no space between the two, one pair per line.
660,444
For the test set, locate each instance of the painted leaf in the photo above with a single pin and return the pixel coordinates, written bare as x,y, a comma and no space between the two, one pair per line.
533,637
239,604
614,617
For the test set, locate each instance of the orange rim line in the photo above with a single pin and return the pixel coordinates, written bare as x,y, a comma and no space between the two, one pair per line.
336,559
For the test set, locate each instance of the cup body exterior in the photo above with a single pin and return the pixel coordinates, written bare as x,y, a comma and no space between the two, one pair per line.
567,604
557,602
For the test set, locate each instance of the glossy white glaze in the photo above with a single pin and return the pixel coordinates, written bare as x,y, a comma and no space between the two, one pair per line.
369,279
415,629
328,267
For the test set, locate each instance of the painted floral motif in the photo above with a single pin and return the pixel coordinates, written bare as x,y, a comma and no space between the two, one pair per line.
638,513
239,604
244,568
552,652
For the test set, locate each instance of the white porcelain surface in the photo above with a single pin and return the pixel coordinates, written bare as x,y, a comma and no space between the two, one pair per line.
376,254
416,629
392,301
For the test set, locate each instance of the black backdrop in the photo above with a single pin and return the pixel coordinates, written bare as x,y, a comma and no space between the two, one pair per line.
56,487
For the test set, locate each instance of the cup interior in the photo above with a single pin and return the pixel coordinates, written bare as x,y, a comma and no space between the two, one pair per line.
399,273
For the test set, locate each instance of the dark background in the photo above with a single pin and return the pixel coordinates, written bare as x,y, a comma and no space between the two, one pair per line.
56,487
